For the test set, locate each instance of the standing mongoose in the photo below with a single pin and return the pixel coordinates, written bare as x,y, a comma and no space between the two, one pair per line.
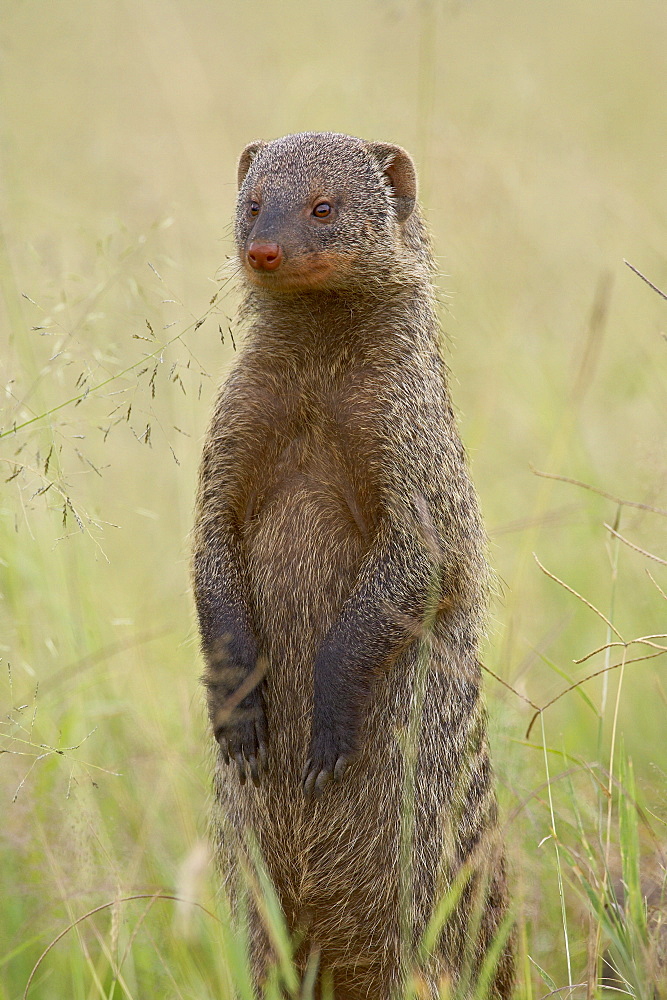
340,584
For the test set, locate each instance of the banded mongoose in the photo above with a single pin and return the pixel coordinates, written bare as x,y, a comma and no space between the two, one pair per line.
340,582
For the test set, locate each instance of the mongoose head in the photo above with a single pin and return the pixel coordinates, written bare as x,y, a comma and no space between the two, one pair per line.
319,211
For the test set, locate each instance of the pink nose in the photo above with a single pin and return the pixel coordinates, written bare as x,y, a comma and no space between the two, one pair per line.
265,256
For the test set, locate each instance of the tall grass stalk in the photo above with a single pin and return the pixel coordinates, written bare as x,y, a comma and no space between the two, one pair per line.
559,869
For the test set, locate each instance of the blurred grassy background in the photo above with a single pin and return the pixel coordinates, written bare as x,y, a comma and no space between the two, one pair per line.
539,134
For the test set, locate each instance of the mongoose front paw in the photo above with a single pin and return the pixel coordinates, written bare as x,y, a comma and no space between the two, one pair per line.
243,738
329,758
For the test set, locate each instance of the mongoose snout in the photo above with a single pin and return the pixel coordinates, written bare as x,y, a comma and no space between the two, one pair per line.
265,256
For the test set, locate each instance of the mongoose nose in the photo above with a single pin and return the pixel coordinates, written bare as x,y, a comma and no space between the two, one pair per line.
265,256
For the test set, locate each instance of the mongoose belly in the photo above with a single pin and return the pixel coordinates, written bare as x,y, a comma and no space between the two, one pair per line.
337,877
303,556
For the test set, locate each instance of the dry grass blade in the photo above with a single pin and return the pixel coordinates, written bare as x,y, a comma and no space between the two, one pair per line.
509,687
599,492
637,548
583,600
644,278
597,673
644,640
562,989
656,585
99,909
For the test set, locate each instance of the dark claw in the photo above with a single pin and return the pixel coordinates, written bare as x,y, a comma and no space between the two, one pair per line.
240,764
323,779
254,773
340,768
306,772
309,784
323,767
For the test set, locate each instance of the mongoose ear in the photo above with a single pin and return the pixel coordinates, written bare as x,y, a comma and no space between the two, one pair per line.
400,171
246,158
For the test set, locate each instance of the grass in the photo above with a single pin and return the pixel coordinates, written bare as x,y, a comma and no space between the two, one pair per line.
539,132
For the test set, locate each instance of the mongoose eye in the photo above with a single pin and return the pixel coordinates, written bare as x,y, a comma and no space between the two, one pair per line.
254,208
322,209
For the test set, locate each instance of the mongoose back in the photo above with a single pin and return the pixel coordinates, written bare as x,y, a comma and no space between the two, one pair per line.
340,583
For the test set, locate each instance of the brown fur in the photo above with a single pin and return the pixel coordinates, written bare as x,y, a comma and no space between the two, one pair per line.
338,542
